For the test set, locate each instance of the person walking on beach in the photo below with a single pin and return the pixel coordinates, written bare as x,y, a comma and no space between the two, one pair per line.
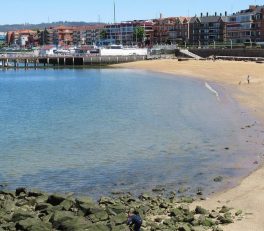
134,221
248,79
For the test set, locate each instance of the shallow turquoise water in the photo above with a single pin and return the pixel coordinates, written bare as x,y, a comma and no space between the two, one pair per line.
97,131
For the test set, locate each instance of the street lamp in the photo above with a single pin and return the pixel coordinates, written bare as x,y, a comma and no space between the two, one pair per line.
214,44
231,42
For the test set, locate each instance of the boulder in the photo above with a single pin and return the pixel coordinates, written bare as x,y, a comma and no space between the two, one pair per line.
74,224
224,209
21,190
22,215
55,199
184,227
99,215
119,228
32,224
59,217
200,210
119,219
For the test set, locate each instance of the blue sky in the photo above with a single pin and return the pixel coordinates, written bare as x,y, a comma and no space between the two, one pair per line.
32,11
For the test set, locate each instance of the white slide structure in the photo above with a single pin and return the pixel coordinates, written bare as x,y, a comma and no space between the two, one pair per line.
190,54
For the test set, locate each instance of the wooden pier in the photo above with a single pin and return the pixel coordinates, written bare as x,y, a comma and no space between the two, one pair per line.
52,61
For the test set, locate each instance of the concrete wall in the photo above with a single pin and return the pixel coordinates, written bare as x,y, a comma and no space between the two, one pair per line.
228,52
123,52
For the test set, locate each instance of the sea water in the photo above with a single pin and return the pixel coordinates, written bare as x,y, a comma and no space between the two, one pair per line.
95,131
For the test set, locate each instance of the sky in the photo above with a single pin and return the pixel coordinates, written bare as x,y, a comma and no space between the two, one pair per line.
32,11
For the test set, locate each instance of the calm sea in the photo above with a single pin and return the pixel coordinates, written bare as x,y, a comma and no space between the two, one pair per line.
97,131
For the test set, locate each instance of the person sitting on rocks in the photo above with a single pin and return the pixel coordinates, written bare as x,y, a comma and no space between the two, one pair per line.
134,221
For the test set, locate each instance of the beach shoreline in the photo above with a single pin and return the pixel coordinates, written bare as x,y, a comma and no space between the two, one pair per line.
232,75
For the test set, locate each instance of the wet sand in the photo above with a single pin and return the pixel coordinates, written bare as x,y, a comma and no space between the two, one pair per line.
249,194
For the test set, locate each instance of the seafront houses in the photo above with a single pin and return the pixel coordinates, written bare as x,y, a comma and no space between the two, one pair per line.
246,26
206,30
124,32
22,38
179,32
162,26
63,35
172,30
88,35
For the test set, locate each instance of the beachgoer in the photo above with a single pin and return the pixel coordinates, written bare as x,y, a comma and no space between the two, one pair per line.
248,79
134,221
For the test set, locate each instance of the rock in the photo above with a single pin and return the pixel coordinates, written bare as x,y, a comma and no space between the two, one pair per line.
224,209
198,228
119,219
188,218
59,217
218,179
8,205
6,192
187,200
119,228
176,212
20,190
99,215
35,193
217,229
43,207
67,204
144,196
200,210
84,200
55,199
158,219
32,224
75,224
22,215
213,215
106,201
116,209
97,227
226,219
42,199
184,227
205,221
239,212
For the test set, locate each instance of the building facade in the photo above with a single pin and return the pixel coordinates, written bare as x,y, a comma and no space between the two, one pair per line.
246,26
207,30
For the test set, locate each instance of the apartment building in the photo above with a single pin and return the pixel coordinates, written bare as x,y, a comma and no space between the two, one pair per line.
206,30
87,35
246,26
23,38
124,32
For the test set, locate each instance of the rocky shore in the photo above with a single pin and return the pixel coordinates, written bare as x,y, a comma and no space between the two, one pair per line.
32,210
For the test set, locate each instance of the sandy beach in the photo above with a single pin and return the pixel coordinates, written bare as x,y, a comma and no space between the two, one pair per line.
249,194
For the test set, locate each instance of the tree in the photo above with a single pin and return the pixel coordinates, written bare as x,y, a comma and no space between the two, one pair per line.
103,34
139,34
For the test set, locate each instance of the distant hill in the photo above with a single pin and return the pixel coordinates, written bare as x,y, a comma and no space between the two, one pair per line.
5,28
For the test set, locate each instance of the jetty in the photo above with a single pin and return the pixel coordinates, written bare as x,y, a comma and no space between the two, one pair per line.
32,61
